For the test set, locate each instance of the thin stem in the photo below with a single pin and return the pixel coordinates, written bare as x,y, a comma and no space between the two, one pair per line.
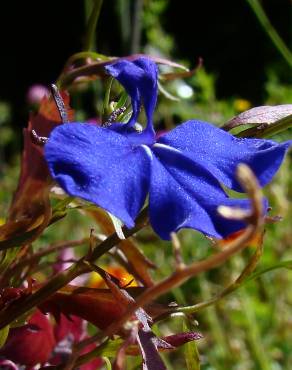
91,26
270,30
250,185
63,278
98,68
136,26
174,280
29,260
247,271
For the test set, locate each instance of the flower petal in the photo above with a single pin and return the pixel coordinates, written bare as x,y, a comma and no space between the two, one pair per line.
139,78
101,166
183,194
221,152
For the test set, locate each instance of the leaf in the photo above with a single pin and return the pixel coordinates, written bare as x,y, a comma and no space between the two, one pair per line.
184,74
3,335
98,306
191,354
265,114
32,343
97,69
117,224
139,264
147,341
7,258
30,210
150,355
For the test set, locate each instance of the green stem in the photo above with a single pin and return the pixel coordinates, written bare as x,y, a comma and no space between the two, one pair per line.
91,25
270,30
106,100
136,28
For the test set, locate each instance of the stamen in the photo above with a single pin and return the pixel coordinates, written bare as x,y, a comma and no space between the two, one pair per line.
59,103
39,140
113,117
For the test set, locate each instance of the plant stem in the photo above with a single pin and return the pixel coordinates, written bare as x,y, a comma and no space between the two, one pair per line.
249,268
63,278
91,25
39,254
270,30
136,26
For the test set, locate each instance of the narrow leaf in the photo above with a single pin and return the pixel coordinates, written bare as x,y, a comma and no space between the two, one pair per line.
3,335
191,354
265,114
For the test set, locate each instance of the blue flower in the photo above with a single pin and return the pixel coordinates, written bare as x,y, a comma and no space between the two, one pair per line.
182,172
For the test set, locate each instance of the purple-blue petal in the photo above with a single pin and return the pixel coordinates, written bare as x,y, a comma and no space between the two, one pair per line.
101,166
220,152
184,194
139,79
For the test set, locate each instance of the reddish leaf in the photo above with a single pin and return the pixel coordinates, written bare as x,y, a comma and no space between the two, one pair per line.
30,209
73,326
30,344
265,114
94,364
139,265
98,306
179,339
12,295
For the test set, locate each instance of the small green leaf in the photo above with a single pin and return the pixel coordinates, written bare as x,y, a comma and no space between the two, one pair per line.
191,353
3,335
118,224
107,363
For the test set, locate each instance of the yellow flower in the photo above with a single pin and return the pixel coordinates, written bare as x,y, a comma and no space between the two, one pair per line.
241,105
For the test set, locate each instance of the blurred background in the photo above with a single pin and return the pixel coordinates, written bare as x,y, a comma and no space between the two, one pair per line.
245,46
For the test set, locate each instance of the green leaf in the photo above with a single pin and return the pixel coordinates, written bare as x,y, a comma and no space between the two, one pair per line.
191,353
7,258
107,363
3,335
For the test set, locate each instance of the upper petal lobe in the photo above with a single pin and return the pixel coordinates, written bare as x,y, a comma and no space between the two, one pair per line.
221,152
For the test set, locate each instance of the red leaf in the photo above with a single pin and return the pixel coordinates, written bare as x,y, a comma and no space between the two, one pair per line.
98,306
30,344
30,208
72,325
